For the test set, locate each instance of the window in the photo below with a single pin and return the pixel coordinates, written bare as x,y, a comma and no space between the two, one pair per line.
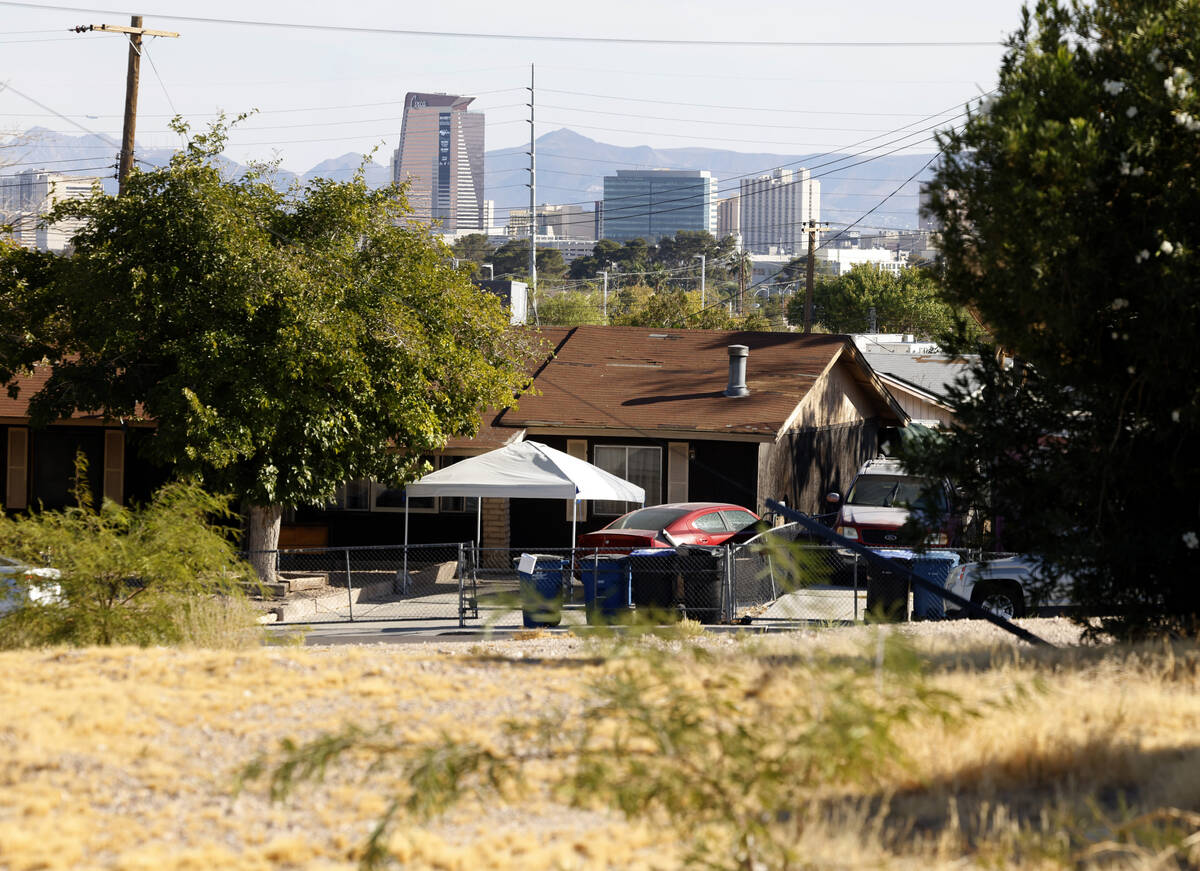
710,522
364,494
738,520
636,464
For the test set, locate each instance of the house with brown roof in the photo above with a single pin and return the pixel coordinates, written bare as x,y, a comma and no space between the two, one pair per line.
653,406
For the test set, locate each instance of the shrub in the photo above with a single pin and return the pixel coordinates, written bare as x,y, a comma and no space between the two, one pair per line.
163,573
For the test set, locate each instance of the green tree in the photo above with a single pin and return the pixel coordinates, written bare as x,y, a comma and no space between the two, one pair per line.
673,309
570,308
512,259
908,302
474,247
283,343
1071,226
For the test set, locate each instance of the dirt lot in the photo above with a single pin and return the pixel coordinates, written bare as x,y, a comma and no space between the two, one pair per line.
128,758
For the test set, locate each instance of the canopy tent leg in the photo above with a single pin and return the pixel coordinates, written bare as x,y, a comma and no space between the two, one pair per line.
404,577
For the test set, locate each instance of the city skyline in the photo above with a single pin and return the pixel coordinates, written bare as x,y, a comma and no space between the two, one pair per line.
347,94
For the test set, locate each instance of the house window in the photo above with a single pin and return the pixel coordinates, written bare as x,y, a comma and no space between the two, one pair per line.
367,495
636,464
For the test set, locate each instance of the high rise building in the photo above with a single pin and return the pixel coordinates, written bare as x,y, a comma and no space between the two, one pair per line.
440,157
729,219
651,204
563,222
775,208
31,195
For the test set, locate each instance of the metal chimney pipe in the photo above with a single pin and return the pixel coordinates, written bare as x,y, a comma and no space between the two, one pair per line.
737,371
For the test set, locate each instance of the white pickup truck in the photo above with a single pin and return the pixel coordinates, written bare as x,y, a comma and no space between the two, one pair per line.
1003,586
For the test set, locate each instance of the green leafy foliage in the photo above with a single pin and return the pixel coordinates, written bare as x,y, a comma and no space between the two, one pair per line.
908,302
671,252
162,573
282,343
1071,226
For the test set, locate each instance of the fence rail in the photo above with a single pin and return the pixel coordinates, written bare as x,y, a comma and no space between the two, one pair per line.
781,577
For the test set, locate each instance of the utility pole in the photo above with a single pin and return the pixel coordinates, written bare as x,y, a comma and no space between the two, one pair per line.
532,201
812,228
605,310
132,72
702,272
741,267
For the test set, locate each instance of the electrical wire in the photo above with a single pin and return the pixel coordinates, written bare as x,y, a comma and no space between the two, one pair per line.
522,37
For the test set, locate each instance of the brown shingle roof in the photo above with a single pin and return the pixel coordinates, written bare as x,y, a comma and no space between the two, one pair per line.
635,378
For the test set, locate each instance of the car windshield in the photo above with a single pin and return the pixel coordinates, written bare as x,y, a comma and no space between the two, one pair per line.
887,491
648,518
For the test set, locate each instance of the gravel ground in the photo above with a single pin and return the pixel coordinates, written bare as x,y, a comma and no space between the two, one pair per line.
1058,631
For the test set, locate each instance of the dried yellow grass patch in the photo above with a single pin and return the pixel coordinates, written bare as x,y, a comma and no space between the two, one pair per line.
126,758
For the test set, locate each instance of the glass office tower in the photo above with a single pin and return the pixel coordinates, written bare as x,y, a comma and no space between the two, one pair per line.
651,204
440,156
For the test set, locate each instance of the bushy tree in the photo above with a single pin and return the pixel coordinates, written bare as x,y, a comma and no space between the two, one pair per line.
904,302
570,309
512,259
474,247
282,342
1071,219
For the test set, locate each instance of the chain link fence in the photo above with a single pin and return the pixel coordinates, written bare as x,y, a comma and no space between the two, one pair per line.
781,577
352,584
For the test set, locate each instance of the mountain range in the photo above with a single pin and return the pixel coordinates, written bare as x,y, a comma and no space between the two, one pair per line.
571,169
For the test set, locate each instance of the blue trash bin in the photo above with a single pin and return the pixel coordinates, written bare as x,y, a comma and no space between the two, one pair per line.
607,589
933,566
541,589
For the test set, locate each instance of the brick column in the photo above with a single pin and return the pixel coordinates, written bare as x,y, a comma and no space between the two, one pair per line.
496,532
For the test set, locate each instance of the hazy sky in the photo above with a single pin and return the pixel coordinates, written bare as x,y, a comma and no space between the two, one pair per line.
321,94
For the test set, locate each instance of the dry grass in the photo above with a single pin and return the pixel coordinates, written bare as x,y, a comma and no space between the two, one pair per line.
127,758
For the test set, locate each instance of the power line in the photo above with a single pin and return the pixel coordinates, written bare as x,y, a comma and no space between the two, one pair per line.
523,37
711,121
742,108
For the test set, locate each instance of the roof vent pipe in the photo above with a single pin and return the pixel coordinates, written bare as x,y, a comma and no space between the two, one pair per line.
737,371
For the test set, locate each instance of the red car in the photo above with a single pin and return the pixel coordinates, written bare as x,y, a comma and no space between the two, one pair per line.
671,524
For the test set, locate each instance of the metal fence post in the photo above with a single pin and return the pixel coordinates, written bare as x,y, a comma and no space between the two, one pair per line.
855,570
462,605
349,585
729,604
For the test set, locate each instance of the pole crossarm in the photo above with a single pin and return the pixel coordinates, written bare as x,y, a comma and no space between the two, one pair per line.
121,28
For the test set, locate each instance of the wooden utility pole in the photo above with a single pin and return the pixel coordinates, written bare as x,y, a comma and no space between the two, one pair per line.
132,73
812,228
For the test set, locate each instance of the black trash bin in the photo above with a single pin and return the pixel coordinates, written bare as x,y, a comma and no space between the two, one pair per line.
702,571
887,589
541,589
607,593
655,584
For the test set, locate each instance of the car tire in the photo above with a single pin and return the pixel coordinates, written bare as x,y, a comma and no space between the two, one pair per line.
1003,598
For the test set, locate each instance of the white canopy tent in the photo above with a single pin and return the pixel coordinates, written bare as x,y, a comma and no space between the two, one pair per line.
525,470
